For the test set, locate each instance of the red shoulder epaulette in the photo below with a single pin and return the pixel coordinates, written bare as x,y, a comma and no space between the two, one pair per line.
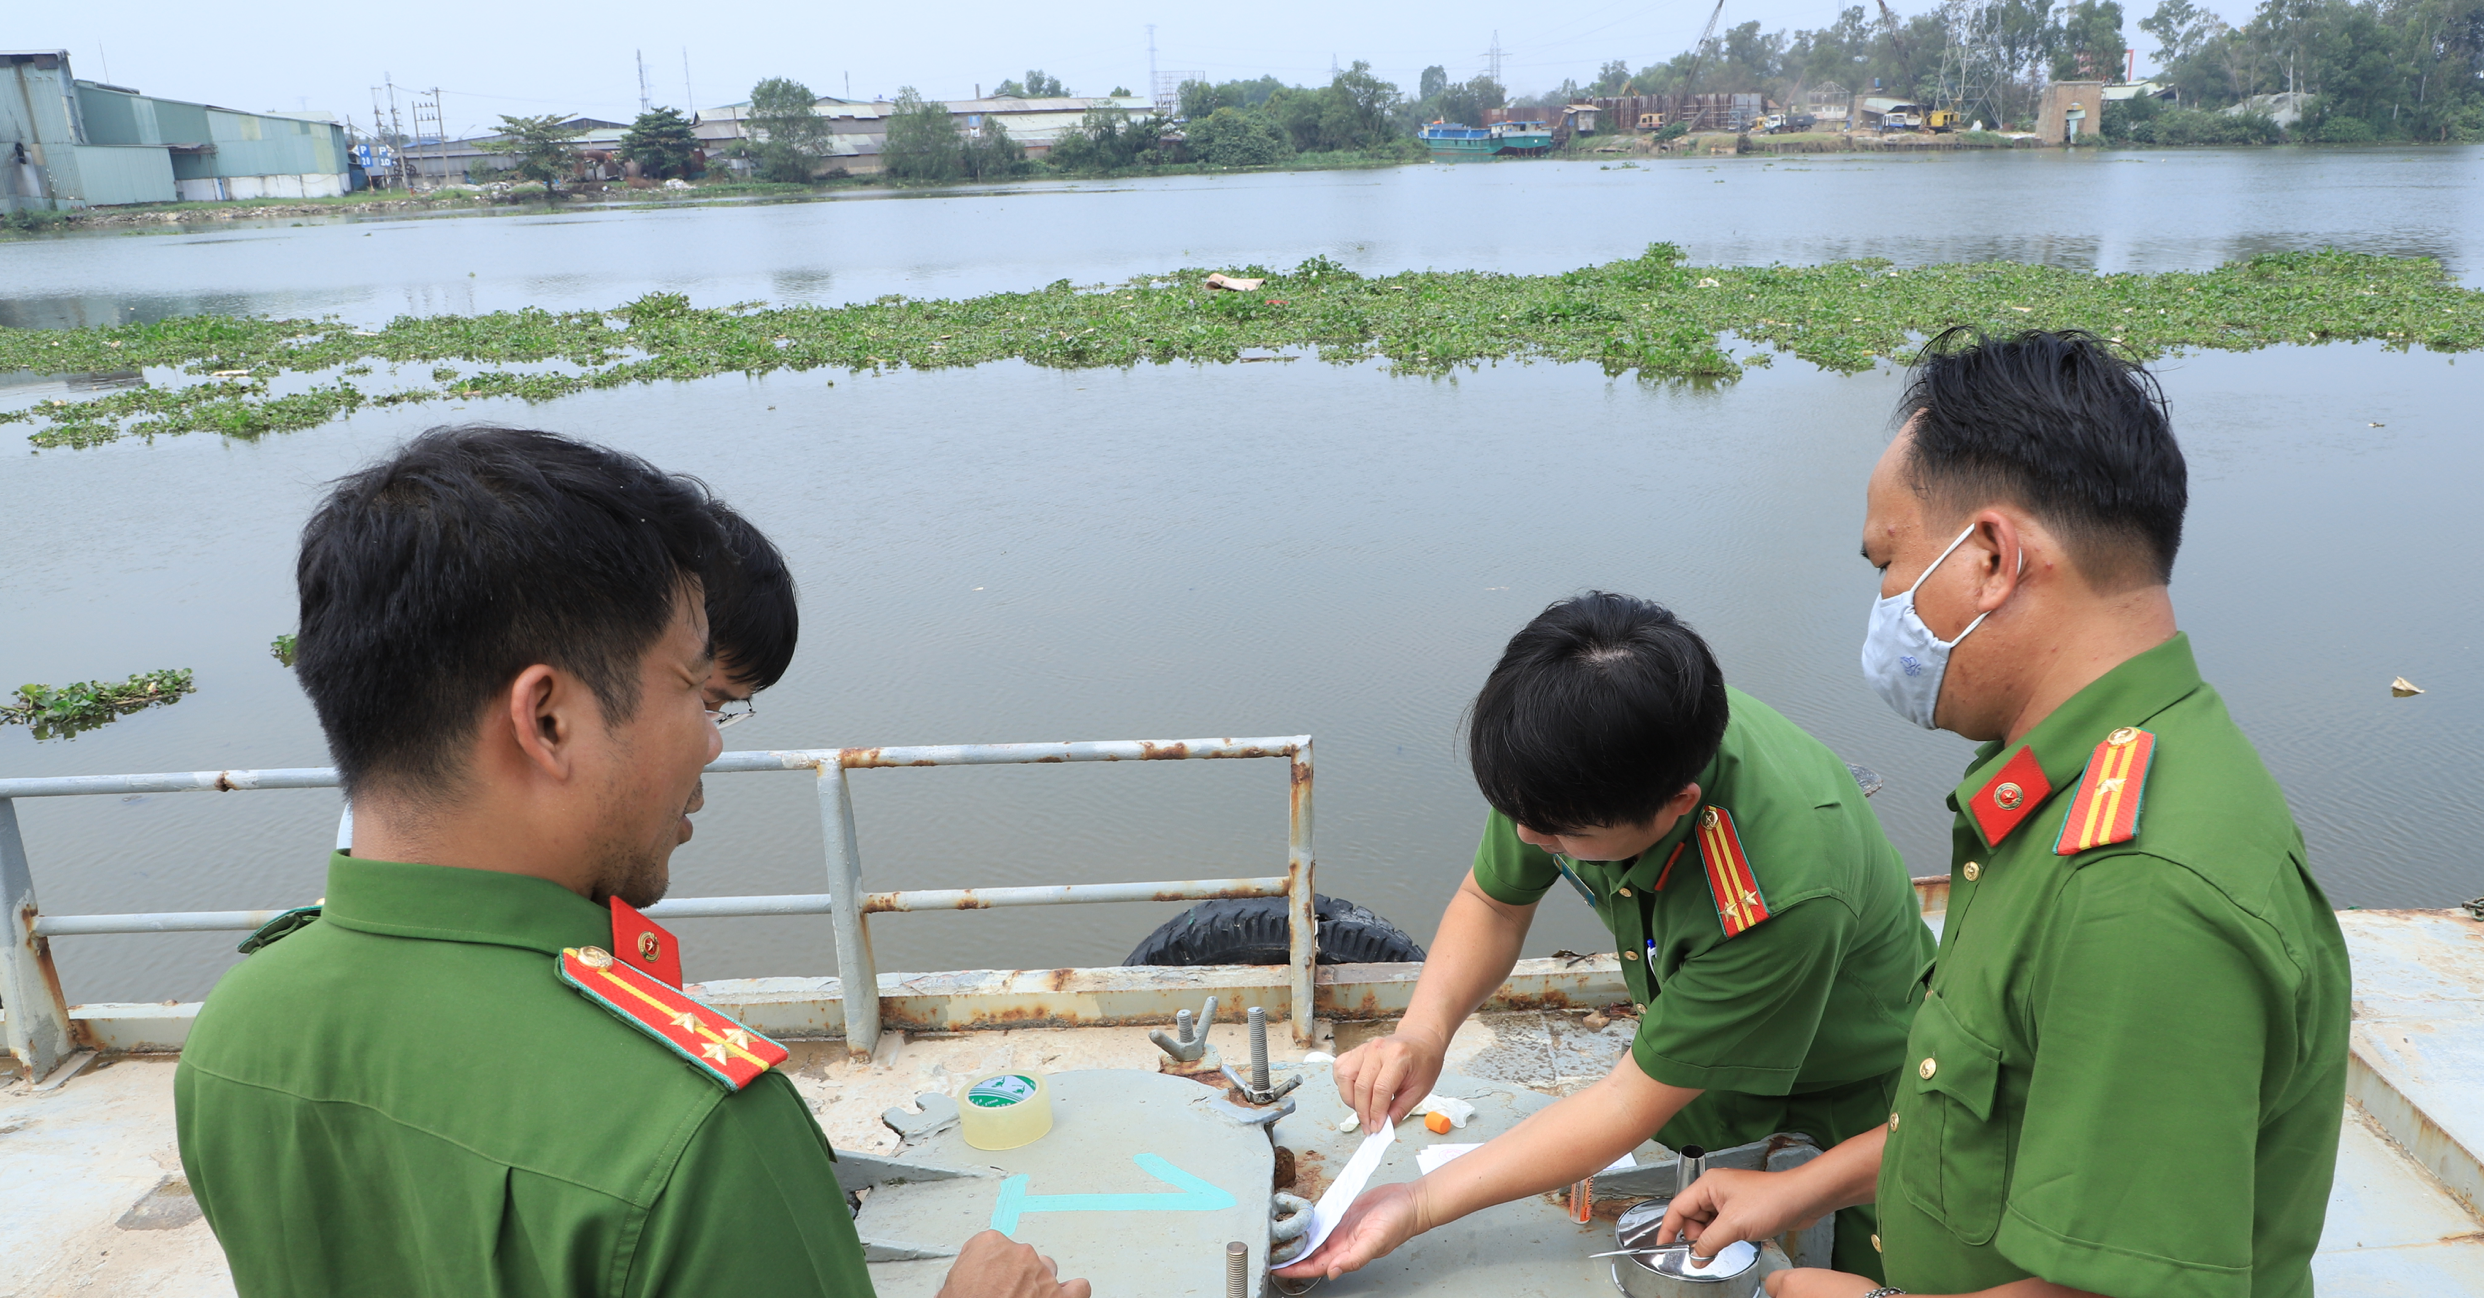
2106,808
726,1052
1739,904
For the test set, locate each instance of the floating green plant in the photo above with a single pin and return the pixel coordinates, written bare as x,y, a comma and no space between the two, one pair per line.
1651,316
67,711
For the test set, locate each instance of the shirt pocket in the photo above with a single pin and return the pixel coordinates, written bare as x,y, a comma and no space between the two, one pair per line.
1956,1163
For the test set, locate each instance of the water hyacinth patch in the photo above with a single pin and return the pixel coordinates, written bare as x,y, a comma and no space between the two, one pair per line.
1651,316
67,711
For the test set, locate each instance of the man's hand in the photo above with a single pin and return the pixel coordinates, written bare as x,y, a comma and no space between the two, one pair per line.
1383,1218
1813,1282
1383,1078
992,1265
1724,1206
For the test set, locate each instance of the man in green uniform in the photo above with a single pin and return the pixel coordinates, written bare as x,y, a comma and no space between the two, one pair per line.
1764,922
2127,1074
503,634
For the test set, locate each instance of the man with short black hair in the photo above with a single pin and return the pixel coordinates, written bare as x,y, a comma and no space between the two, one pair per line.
2127,1074
1765,924
446,1085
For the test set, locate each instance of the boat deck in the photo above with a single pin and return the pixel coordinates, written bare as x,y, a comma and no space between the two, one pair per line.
92,1197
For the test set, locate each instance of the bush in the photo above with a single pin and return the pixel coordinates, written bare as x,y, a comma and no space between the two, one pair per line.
1226,138
2193,126
2339,128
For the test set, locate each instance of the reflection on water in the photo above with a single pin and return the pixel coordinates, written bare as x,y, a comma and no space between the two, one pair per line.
2171,210
1008,553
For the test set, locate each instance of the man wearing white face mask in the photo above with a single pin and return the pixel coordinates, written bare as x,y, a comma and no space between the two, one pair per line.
2127,1073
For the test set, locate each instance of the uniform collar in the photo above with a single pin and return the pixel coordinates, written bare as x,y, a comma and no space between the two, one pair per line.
2057,749
440,903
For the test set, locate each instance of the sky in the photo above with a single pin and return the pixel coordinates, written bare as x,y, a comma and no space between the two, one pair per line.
492,58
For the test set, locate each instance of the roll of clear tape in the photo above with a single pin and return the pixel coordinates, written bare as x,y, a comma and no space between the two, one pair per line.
1005,1111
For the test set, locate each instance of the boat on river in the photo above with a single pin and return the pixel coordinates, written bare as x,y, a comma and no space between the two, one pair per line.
1455,142
1221,1132
1525,139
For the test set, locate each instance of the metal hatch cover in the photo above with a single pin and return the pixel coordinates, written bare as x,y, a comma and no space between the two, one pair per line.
1138,1188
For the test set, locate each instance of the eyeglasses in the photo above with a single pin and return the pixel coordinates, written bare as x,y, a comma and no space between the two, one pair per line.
733,712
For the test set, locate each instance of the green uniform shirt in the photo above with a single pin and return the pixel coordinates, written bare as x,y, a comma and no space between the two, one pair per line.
403,1098
1799,1022
2129,1067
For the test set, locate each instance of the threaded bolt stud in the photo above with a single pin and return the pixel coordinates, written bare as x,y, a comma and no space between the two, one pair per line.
1237,1270
1259,1049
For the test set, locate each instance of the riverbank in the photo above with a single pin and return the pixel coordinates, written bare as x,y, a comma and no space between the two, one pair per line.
607,196
1652,316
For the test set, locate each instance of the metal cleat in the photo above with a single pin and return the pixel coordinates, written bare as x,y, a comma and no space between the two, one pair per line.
1266,1117
1187,1044
938,1115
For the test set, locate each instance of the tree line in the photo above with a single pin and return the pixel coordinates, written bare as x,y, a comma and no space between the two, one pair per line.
2375,69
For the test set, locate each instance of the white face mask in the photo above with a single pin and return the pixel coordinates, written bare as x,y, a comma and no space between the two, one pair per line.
1902,659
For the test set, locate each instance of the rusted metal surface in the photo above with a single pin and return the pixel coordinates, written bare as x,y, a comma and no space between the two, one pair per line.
2416,1059
38,1020
876,903
1302,919
1122,995
1932,894
64,786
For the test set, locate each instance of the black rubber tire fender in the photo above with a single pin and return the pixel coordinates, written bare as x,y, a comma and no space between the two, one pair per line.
1253,930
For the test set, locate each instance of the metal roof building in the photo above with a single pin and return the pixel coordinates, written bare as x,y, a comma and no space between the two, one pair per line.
66,143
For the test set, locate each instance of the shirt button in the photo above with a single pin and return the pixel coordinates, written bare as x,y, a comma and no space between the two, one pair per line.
1927,1068
1973,872
1623,891
1633,955
1875,1243
1893,1122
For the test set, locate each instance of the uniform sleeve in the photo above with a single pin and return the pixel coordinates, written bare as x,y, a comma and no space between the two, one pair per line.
752,1209
1742,1015
1509,871
2135,1162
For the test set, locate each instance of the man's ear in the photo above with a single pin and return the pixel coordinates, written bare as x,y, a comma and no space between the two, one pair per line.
2000,558
1682,802
542,701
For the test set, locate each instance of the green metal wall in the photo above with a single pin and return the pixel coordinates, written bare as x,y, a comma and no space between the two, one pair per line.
110,173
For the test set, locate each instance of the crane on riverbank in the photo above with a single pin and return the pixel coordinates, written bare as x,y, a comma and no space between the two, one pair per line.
1684,98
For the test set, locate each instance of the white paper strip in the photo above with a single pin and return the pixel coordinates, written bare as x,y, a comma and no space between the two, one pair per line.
1348,1186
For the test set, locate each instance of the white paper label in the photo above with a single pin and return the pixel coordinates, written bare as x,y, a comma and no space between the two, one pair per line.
1349,1184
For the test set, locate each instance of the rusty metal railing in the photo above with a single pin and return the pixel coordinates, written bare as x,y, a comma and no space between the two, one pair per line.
38,1014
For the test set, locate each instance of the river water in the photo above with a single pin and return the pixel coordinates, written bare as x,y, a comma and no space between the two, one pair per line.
1009,553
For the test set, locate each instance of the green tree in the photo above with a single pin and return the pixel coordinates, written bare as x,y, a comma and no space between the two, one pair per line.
1467,100
1195,100
1435,79
1238,138
1108,140
539,148
661,143
988,153
2090,45
1038,85
924,142
2180,29
791,137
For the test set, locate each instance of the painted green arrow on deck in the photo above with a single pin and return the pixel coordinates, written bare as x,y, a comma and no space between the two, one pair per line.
1194,1195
